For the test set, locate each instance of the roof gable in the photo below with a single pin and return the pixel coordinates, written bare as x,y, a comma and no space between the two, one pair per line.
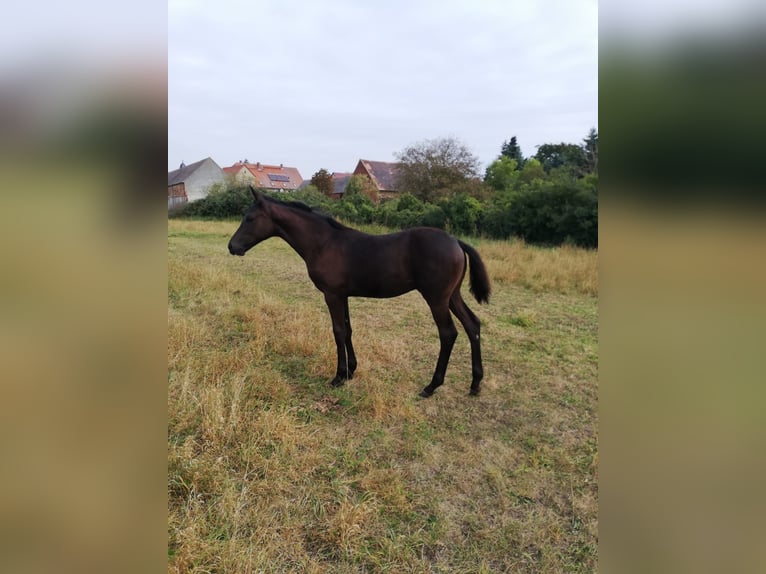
183,173
383,174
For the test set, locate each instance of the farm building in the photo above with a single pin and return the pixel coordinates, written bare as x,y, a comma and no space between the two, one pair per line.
271,177
383,175
192,182
340,181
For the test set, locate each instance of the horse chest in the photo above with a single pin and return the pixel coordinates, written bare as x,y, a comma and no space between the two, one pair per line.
327,277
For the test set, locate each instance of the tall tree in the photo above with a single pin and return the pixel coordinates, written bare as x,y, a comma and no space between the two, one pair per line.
569,156
532,171
590,145
502,173
429,169
322,180
512,150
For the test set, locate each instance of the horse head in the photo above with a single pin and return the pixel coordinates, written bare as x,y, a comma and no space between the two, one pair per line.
256,226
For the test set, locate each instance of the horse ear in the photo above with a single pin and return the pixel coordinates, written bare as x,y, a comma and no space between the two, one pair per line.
257,196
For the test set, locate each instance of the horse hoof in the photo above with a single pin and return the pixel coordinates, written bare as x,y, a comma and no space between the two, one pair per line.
337,382
474,392
425,394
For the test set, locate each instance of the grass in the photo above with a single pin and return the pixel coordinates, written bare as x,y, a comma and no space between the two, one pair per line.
272,470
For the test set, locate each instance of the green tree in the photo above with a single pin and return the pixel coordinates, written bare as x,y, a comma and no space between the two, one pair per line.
555,214
322,180
407,201
512,150
533,170
361,185
409,211
355,208
463,213
590,146
570,156
495,221
503,173
429,169
474,187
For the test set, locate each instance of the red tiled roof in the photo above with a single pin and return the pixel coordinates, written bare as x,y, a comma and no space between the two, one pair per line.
269,176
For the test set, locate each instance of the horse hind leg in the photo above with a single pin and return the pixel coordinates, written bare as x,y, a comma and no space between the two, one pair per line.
472,327
447,336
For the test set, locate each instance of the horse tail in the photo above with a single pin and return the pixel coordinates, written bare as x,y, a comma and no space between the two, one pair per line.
480,286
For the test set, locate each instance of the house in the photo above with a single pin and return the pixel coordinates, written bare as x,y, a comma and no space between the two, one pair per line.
383,175
191,182
271,177
340,181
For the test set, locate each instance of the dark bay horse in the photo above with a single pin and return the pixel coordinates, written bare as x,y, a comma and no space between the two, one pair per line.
343,262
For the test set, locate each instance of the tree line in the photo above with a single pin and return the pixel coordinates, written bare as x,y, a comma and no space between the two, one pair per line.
550,198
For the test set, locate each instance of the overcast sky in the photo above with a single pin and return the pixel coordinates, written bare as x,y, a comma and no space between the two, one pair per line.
321,84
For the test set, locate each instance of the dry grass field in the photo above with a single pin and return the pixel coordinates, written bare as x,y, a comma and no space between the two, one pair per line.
272,470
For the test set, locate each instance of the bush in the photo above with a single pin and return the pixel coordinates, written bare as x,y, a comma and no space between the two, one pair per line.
361,184
355,208
551,212
556,214
309,195
408,211
408,202
433,216
496,221
407,218
463,214
228,203
234,201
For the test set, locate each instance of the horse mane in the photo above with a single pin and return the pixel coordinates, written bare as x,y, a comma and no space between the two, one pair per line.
303,207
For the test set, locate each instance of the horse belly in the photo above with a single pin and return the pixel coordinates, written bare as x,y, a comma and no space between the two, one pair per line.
381,277
381,286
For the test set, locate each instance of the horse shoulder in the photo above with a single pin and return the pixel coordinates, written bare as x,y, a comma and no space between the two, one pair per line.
329,269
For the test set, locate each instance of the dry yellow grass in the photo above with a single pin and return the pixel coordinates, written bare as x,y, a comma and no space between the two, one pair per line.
564,269
272,470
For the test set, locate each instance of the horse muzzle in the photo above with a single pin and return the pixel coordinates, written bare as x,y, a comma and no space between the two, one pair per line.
236,250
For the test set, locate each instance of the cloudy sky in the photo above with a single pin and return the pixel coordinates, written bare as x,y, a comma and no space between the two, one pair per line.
321,84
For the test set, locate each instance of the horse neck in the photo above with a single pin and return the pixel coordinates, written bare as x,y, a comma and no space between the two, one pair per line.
302,230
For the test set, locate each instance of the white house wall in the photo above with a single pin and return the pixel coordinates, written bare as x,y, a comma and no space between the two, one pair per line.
199,182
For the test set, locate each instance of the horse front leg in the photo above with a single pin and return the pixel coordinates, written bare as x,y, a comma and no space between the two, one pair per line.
337,306
350,355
